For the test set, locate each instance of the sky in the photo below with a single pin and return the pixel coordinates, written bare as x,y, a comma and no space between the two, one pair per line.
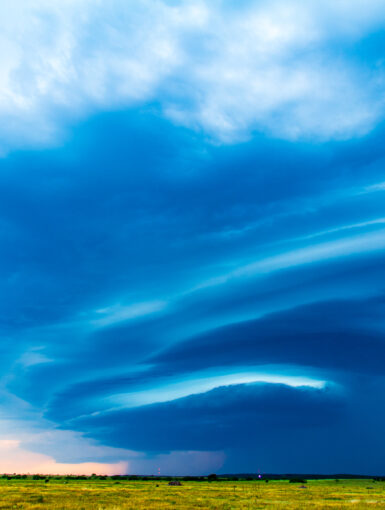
192,224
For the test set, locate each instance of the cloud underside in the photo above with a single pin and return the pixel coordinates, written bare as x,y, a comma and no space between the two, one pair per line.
226,417
176,296
168,291
313,340
226,70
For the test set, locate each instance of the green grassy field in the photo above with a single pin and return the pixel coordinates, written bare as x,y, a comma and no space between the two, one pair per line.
97,495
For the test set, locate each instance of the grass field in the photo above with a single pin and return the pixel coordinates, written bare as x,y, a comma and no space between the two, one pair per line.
97,495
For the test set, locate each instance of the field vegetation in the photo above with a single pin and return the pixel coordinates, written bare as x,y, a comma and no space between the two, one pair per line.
116,494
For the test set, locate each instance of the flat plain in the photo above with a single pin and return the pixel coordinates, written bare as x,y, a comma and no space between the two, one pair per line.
224,495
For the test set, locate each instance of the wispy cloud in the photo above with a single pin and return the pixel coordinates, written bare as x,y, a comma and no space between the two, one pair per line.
342,247
380,186
117,313
201,382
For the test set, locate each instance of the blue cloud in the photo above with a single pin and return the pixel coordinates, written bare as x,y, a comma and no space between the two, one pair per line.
184,258
226,417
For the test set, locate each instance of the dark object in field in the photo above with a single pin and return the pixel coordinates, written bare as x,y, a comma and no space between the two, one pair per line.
174,482
46,480
297,480
303,487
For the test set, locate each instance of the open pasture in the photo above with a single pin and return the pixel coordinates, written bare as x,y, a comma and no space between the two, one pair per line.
224,495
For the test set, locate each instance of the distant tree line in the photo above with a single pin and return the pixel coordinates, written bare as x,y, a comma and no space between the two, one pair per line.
210,478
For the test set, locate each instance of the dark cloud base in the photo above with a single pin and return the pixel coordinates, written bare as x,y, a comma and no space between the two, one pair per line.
234,416
134,210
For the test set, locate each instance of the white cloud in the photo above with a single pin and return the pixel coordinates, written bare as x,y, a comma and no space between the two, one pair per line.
119,312
265,66
202,382
33,357
36,447
18,451
15,459
380,186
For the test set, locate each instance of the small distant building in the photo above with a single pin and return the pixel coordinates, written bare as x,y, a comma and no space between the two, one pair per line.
174,482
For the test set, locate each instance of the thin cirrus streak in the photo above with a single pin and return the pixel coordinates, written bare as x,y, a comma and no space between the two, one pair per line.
196,385
329,250
346,247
